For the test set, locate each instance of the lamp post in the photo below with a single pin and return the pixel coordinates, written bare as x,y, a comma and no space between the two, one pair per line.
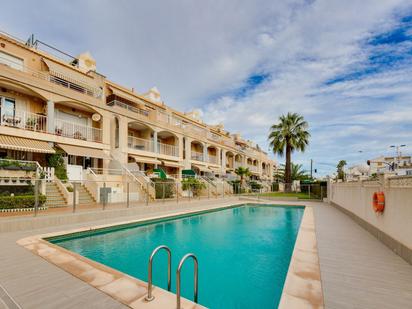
398,152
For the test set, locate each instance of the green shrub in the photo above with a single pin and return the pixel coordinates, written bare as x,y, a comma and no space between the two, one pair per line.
69,189
193,184
56,160
20,201
168,185
255,186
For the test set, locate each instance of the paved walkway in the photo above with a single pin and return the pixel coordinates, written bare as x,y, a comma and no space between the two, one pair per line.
357,270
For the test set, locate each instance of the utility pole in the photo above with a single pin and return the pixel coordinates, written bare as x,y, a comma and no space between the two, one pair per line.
311,165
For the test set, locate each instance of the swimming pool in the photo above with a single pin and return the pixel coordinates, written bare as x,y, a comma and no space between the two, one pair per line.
243,252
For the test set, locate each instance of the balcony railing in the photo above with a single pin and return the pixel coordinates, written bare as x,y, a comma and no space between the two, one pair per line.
213,136
190,128
77,131
252,168
198,156
238,164
140,144
59,80
134,109
212,159
169,150
23,120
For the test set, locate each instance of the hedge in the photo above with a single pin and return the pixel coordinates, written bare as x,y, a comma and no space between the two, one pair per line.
20,201
167,184
194,185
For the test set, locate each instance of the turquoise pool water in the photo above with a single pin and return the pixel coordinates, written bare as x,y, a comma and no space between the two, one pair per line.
243,252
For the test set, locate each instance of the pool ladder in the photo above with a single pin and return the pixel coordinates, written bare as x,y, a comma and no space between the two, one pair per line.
150,296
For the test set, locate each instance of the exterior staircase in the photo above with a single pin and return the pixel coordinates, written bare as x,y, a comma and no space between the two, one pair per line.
84,196
55,197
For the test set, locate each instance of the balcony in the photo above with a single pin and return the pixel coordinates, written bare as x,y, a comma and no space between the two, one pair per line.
134,109
23,120
238,164
76,131
253,168
213,136
137,143
58,78
212,159
169,150
198,156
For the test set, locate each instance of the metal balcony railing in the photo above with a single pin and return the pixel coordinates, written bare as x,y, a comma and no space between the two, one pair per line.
140,144
212,159
252,168
59,80
77,131
198,156
134,109
169,150
23,120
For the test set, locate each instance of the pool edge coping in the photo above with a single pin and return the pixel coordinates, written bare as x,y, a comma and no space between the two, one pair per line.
303,284
131,291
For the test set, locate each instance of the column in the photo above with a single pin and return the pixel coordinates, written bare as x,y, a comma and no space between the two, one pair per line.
223,166
188,152
50,117
155,150
205,159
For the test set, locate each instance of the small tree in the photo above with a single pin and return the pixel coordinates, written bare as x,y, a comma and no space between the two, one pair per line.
56,160
242,172
340,169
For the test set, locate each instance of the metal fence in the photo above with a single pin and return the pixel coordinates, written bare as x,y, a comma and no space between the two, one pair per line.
28,196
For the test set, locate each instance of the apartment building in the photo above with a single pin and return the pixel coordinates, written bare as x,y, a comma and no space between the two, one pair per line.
49,104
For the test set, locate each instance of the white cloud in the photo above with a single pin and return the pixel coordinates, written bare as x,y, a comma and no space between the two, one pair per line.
198,53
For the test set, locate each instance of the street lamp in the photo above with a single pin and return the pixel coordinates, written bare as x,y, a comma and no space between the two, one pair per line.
398,152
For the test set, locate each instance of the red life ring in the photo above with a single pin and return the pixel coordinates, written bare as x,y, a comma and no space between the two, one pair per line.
378,202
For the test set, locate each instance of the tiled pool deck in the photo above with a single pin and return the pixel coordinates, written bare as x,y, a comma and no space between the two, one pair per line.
357,271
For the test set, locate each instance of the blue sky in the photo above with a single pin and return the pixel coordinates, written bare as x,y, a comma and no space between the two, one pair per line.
344,65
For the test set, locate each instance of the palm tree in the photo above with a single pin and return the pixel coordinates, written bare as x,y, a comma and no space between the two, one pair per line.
297,173
288,135
242,172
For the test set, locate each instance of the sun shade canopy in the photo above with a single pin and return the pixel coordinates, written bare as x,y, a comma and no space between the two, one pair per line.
25,144
84,151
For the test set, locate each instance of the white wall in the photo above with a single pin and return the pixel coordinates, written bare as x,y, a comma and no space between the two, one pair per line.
396,220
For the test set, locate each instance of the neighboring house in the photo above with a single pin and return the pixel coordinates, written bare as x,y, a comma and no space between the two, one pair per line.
357,172
400,166
47,103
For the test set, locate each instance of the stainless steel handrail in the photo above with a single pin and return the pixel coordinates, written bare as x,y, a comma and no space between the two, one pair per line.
196,275
150,296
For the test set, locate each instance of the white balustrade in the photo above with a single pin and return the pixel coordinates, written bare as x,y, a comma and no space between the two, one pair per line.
140,144
24,120
77,131
198,156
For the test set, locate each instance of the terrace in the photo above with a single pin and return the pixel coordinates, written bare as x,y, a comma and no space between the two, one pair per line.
57,75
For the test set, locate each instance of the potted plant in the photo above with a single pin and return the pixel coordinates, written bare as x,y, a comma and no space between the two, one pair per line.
78,135
58,131
28,167
31,123
13,166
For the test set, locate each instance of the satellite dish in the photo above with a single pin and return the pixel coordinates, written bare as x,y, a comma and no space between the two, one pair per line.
96,117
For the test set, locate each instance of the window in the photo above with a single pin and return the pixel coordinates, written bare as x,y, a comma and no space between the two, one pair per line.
409,173
9,107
